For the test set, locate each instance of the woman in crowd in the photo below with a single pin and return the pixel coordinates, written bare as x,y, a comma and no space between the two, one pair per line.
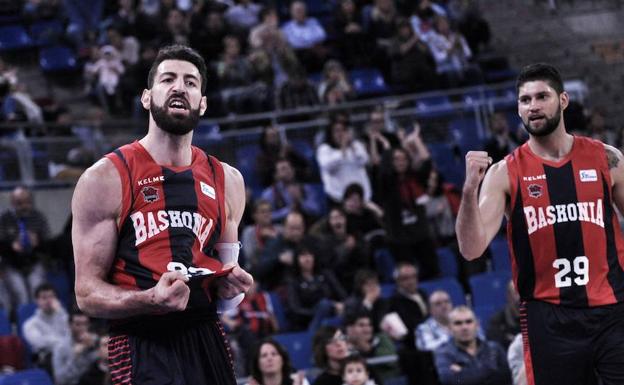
313,293
329,348
271,366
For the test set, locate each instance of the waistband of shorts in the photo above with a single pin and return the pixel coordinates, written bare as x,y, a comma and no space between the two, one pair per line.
155,323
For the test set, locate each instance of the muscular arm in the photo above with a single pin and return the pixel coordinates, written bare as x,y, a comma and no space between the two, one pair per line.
238,281
616,168
477,223
95,207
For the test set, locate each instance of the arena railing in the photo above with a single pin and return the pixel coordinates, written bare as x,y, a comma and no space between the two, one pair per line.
33,155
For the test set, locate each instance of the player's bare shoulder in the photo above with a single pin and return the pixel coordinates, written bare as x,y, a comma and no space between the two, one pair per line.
234,190
497,176
615,161
98,190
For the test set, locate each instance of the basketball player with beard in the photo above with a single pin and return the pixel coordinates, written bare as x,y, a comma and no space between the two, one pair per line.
558,193
155,227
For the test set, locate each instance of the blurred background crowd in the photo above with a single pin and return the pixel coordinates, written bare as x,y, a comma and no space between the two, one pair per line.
349,120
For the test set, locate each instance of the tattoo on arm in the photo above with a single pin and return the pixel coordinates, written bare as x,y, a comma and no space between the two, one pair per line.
612,158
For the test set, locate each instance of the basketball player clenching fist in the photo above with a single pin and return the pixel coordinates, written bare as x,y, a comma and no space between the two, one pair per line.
155,235
558,193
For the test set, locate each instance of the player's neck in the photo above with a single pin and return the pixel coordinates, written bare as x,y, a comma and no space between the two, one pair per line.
552,147
167,149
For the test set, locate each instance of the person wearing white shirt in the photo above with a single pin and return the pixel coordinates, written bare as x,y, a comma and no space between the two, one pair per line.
303,32
434,331
342,161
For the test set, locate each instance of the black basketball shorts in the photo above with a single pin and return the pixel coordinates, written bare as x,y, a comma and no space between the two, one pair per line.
180,352
573,346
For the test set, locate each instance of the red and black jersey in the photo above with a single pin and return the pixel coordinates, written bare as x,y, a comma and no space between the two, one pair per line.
564,236
171,217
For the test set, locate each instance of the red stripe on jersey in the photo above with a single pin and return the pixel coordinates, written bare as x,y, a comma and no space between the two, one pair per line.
543,214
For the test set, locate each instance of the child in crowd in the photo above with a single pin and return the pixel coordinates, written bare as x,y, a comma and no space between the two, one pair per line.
355,371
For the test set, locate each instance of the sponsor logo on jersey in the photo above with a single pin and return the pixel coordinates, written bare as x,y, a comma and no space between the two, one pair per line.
150,224
208,190
150,180
535,190
540,217
588,175
534,178
150,194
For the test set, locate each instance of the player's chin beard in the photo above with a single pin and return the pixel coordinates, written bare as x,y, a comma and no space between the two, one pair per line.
173,123
550,126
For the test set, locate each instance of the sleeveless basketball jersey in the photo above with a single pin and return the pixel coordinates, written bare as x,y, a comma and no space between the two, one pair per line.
171,218
564,237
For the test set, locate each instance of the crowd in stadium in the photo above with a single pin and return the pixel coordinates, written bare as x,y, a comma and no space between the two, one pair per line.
339,266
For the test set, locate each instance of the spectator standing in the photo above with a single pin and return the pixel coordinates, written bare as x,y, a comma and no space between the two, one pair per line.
353,43
503,141
342,161
468,360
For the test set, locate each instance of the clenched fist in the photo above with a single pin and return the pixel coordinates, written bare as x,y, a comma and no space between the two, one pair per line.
171,293
477,163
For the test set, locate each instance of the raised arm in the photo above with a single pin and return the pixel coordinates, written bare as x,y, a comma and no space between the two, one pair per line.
616,167
480,216
96,205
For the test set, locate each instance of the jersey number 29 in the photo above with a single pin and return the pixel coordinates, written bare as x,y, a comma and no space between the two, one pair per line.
581,270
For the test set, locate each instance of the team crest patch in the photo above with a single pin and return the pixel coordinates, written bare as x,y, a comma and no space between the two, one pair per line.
535,190
150,194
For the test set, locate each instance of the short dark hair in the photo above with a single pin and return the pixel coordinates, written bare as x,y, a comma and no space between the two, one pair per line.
354,316
44,287
540,71
255,371
353,359
353,188
361,277
179,52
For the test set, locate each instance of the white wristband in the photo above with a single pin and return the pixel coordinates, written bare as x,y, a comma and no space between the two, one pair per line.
228,251
224,305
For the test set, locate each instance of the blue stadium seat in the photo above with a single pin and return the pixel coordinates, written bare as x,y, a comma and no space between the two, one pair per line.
500,255
368,82
402,380
484,313
332,321
299,348
319,192
46,32
27,377
246,163
279,311
489,289
450,165
447,260
14,37
57,59
433,106
450,285
473,97
466,134
387,289
23,313
5,325
59,280
384,263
